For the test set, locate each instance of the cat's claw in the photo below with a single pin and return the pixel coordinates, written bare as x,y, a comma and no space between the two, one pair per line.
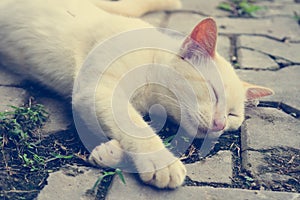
152,171
109,154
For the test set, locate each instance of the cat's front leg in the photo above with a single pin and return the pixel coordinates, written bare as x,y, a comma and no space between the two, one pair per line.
155,164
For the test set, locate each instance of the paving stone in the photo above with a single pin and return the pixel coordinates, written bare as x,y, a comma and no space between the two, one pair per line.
277,7
7,78
12,96
135,190
288,51
208,8
223,47
269,139
155,18
249,59
278,27
284,82
69,183
262,168
184,22
216,169
267,128
59,115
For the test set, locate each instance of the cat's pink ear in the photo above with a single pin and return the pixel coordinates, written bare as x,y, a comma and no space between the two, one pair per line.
205,36
256,92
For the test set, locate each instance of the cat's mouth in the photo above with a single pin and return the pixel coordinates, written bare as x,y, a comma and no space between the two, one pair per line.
218,124
203,130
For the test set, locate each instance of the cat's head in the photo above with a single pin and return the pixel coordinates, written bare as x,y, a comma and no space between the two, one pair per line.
228,93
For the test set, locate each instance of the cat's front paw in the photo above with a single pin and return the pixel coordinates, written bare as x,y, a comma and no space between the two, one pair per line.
161,172
108,154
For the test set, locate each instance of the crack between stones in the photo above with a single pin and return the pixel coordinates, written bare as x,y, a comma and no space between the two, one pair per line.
210,184
276,59
276,15
269,150
235,58
233,49
282,64
294,112
283,40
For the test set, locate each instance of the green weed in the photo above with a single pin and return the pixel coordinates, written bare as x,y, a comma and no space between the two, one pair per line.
106,174
18,127
297,17
18,134
167,141
240,7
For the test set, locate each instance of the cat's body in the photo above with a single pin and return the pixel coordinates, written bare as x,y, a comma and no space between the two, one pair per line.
49,41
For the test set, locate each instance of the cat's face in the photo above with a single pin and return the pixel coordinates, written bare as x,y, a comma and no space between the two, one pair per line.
235,97
221,95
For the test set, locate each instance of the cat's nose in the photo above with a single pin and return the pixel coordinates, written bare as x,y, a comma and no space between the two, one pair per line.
218,124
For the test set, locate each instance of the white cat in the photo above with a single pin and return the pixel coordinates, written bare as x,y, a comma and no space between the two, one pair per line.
48,41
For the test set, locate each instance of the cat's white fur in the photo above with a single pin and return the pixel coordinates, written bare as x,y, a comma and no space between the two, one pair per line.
48,41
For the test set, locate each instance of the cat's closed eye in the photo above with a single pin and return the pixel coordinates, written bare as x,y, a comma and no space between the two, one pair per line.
234,121
233,115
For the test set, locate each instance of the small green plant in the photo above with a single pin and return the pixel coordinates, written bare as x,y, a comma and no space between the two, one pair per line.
248,180
240,7
18,127
185,139
19,124
106,174
297,17
19,137
167,141
63,156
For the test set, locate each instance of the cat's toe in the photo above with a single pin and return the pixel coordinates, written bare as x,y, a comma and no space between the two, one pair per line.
158,178
177,175
108,154
170,176
96,156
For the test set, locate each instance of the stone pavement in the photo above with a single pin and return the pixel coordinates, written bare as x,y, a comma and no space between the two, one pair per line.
266,51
